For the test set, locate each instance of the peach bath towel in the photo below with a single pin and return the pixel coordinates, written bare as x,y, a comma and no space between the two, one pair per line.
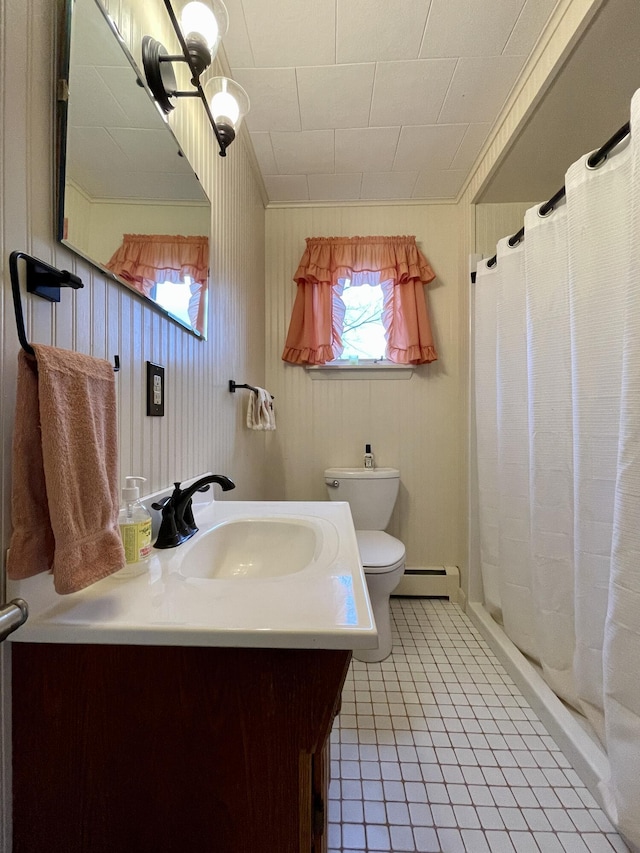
65,477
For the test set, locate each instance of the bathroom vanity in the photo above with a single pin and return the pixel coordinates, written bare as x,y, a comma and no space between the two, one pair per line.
181,710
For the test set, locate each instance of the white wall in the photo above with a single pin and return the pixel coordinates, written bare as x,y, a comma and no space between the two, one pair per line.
203,426
414,425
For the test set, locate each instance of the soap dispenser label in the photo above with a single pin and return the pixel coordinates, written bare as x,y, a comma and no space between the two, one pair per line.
136,539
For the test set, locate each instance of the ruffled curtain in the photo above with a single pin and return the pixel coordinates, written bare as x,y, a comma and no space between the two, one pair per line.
144,260
315,329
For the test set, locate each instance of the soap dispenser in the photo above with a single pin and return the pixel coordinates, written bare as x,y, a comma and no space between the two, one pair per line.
135,529
368,457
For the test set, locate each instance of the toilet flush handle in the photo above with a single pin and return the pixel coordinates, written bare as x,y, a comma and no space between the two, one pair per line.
334,484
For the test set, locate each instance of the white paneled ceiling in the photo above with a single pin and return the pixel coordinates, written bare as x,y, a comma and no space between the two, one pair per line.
376,99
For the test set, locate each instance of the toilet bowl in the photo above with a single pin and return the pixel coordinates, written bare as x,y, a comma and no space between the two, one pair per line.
371,494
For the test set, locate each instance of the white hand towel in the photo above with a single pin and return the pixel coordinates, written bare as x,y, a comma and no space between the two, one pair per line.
260,411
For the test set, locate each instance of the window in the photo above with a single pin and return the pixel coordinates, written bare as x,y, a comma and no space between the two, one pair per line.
361,297
363,334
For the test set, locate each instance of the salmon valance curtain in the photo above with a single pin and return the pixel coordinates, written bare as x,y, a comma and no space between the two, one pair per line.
396,263
144,260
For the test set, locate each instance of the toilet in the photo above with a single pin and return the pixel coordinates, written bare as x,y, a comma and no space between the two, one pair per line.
371,494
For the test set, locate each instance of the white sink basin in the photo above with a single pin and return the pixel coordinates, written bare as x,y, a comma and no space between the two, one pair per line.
253,548
259,574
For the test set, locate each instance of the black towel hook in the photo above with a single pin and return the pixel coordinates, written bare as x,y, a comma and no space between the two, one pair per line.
45,281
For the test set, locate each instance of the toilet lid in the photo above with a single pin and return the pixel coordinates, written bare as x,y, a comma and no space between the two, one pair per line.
379,551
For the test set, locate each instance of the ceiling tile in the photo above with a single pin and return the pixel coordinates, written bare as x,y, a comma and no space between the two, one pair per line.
430,147
310,151
366,149
134,101
479,88
335,96
442,184
287,187
273,93
410,92
92,98
139,185
88,145
236,43
469,27
470,146
135,142
388,185
375,30
335,187
529,26
264,153
302,32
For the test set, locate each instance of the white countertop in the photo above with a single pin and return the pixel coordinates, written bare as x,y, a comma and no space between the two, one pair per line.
324,606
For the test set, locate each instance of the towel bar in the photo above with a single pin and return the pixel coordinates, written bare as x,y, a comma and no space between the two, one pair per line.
12,616
233,385
45,281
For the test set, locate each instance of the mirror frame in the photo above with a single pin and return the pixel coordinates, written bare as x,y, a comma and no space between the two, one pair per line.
62,119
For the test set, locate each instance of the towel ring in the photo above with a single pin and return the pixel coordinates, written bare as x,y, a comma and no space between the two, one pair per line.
45,281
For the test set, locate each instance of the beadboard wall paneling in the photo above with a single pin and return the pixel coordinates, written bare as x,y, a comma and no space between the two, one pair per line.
203,427
568,21
495,221
414,425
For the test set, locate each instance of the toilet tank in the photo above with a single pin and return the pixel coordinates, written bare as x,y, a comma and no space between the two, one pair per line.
371,493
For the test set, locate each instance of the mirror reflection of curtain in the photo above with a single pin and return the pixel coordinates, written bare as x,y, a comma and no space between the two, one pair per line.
145,260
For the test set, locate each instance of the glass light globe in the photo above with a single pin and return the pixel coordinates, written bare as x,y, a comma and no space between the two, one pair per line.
228,101
224,105
208,19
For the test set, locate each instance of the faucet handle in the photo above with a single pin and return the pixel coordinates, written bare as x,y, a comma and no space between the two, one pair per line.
168,536
161,504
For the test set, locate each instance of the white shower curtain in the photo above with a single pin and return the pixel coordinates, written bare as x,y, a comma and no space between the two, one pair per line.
566,409
486,297
622,627
514,553
551,445
598,214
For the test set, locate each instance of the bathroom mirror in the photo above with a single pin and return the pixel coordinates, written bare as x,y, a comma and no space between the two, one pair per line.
129,201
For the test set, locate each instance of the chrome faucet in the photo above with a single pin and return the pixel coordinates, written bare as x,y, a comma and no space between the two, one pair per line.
178,523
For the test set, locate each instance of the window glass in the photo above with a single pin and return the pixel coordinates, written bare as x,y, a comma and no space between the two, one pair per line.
363,334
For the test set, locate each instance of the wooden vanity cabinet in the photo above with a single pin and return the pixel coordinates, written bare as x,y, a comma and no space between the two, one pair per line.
164,749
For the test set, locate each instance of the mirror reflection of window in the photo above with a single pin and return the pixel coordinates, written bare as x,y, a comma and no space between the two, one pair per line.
174,297
145,260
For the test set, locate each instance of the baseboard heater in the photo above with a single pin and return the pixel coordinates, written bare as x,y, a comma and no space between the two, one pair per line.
430,582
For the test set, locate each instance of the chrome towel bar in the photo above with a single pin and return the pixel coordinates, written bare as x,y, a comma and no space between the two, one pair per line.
12,616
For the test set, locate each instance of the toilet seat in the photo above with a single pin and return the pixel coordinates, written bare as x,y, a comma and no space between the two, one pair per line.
379,552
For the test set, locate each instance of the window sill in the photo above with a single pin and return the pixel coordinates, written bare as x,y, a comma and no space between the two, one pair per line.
361,370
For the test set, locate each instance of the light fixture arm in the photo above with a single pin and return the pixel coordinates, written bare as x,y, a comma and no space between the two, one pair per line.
195,75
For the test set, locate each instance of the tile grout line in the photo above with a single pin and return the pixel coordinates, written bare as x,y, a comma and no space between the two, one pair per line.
436,750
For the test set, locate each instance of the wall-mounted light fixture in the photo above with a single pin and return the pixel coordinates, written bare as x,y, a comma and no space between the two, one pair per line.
202,25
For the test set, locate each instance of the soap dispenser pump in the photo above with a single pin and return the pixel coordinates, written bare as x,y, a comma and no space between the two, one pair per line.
368,456
135,528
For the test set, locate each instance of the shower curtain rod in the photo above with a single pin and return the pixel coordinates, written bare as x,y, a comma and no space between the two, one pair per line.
596,159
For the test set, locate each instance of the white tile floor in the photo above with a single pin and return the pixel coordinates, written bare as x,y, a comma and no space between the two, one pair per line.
435,749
